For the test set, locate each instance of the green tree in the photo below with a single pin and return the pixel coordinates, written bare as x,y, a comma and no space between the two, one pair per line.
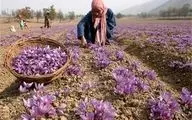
185,9
52,12
25,12
162,13
119,15
60,15
38,15
33,14
13,13
143,15
4,13
173,12
71,15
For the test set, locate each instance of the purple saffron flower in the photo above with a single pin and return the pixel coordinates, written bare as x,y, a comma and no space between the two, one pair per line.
101,57
127,82
164,107
74,70
29,102
35,61
134,66
102,62
27,117
27,85
57,93
142,86
75,54
22,89
93,47
119,55
39,86
96,110
87,85
186,97
150,74
40,104
48,99
176,64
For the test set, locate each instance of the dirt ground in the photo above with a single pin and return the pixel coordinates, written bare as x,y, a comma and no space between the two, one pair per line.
131,107
32,24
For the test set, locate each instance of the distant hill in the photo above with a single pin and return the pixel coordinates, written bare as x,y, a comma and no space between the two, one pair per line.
155,6
171,4
146,7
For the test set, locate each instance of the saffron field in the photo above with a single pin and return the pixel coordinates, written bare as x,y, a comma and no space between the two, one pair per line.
145,73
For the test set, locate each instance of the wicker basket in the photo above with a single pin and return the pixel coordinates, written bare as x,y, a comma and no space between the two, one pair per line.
16,48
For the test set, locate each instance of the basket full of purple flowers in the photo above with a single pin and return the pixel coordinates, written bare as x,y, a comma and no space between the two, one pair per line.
37,59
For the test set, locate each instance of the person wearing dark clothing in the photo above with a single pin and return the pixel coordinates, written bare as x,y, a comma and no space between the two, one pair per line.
97,26
46,22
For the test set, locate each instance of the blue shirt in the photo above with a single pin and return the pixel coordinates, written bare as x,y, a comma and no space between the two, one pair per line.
86,27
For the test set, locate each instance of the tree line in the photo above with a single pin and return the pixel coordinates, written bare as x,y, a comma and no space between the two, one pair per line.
184,11
28,13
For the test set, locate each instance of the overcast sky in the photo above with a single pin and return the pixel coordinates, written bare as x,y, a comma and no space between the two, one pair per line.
79,6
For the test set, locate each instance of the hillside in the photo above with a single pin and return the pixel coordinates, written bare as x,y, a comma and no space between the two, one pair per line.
146,7
155,6
171,4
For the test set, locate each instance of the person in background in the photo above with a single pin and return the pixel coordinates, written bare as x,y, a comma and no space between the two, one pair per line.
21,22
12,28
97,26
25,25
47,22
